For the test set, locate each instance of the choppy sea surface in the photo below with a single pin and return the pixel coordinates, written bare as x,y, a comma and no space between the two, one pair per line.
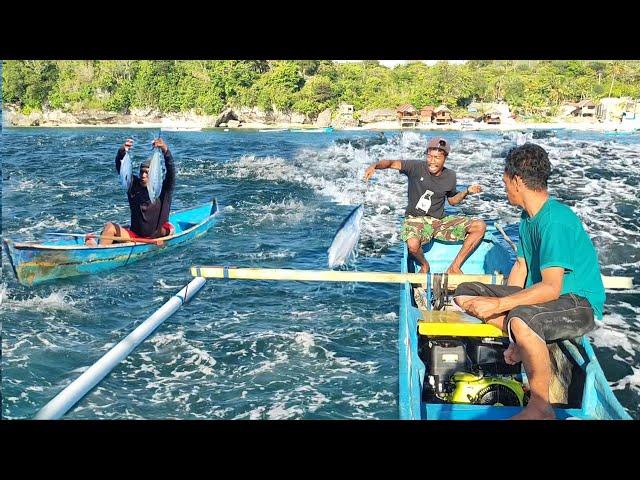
271,350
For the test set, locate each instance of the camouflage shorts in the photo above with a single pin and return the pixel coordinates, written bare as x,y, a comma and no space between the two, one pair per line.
449,228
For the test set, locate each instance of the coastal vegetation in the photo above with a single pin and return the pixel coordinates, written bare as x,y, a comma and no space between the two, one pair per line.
533,89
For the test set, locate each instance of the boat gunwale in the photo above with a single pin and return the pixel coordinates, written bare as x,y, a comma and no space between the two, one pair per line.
40,246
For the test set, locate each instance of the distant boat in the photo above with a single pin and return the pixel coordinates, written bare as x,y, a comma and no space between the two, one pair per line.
181,129
310,130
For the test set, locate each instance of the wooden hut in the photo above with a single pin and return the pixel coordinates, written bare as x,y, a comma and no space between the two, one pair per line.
585,108
426,114
442,115
407,115
492,118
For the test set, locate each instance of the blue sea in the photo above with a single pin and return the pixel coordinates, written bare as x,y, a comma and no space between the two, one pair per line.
258,349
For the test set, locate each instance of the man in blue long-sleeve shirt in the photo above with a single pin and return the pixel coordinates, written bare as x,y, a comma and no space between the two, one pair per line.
148,220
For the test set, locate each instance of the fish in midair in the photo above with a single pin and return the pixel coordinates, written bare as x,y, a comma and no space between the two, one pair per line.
154,185
345,241
125,172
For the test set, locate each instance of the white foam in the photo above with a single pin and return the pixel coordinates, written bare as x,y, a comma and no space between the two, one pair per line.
632,380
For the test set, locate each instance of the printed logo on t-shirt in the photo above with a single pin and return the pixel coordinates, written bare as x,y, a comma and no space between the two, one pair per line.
424,203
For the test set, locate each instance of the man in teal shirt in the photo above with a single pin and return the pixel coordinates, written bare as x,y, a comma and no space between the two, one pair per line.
555,286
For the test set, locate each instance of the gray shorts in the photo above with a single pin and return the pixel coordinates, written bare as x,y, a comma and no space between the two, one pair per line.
567,317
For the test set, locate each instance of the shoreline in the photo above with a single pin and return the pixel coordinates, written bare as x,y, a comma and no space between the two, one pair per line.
193,123
376,126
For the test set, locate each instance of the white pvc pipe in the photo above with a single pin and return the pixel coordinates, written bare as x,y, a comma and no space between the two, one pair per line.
68,397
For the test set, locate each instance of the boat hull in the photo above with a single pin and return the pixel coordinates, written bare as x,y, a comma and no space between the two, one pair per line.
35,263
597,400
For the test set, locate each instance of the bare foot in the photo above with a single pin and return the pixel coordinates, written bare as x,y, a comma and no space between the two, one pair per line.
535,412
512,354
454,270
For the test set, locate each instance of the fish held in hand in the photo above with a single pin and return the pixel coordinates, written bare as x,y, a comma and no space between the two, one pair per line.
154,185
125,172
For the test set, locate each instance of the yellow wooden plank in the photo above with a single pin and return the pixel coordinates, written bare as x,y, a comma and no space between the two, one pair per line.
374,277
455,324
331,275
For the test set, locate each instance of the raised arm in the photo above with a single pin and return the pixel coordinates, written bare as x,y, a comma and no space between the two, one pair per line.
381,165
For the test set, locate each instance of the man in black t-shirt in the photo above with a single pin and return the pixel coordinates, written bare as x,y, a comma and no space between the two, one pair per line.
148,220
429,184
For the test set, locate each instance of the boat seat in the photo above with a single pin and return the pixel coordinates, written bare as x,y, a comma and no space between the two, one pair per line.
444,323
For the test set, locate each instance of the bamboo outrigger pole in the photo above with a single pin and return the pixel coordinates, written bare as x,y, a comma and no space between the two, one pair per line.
72,394
374,277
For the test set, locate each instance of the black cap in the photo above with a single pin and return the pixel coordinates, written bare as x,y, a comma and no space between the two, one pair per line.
439,143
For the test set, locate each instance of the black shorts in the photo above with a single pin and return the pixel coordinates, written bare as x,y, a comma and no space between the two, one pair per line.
567,317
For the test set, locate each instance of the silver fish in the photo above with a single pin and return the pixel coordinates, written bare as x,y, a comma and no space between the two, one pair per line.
125,172
154,186
346,238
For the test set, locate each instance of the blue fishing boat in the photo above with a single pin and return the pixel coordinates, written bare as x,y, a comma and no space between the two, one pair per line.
451,365
37,262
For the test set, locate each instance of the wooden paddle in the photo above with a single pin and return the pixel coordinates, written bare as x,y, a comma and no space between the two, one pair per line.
156,241
374,277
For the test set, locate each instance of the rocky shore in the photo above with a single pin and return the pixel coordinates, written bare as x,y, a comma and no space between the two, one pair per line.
253,118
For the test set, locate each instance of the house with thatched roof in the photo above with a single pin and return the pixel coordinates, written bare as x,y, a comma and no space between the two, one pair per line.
426,114
407,115
442,115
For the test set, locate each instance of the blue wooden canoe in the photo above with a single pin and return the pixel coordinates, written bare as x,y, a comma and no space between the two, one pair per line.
589,395
34,263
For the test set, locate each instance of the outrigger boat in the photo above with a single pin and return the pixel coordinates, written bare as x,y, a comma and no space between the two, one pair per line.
34,262
451,364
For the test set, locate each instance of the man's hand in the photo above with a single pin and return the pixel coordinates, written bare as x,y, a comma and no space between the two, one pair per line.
158,142
128,144
475,188
482,307
368,173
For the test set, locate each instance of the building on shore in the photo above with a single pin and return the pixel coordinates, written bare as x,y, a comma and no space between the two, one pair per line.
584,108
426,114
611,109
407,115
442,115
492,118
345,110
485,111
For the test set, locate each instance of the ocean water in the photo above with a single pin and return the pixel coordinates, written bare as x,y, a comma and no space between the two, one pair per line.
270,350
